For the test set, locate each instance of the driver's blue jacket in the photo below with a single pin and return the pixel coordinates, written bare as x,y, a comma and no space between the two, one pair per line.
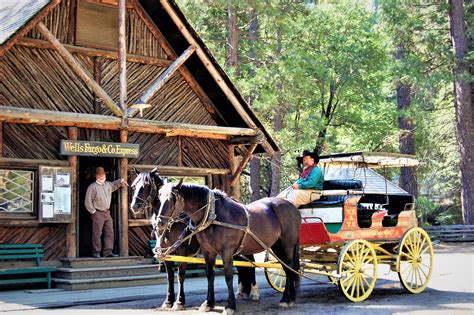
313,180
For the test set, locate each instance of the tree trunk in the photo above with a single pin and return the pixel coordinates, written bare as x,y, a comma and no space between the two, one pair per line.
463,105
254,163
406,125
233,40
277,127
276,159
408,179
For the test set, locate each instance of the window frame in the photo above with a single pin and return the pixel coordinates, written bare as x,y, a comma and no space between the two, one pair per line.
24,215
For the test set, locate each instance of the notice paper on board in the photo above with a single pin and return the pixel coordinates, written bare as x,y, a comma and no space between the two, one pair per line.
62,200
48,210
47,182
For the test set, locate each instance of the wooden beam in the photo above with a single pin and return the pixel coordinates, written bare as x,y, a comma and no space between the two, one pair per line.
92,52
98,79
71,32
25,29
78,69
187,76
19,115
122,54
162,79
124,200
208,64
71,231
240,168
14,162
1,139
180,152
181,171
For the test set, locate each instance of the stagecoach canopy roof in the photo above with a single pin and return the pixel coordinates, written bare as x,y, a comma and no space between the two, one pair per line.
368,160
372,182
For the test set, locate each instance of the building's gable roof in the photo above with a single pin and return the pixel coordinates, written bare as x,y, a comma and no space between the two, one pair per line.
14,14
19,16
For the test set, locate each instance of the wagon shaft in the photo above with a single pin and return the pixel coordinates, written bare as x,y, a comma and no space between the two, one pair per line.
199,260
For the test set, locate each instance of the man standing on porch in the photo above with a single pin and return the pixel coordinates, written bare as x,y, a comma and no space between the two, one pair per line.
308,187
98,198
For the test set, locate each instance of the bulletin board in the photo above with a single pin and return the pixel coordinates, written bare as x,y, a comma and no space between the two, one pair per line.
55,194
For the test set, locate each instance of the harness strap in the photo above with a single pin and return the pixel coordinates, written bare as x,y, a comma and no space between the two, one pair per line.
247,214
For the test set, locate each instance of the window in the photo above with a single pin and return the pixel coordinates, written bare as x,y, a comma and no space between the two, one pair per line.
16,191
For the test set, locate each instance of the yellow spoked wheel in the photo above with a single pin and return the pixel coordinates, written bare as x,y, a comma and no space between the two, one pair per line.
276,277
415,260
357,265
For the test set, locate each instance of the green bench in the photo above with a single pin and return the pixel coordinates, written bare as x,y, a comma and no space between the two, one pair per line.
17,275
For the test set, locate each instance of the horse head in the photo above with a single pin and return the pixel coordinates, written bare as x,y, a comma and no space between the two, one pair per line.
171,204
145,190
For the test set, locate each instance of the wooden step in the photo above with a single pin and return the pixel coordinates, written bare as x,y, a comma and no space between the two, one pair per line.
109,282
105,272
89,262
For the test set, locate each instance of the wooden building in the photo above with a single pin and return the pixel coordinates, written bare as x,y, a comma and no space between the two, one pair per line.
70,71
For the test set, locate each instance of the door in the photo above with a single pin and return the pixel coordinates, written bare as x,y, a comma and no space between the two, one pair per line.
86,176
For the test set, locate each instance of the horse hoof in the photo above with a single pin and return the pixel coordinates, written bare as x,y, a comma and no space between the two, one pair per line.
166,305
255,293
177,307
228,311
286,305
205,307
240,292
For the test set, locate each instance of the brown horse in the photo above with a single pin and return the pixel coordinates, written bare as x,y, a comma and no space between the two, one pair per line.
223,224
145,191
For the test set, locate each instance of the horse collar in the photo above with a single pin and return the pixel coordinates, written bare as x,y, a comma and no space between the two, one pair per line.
209,215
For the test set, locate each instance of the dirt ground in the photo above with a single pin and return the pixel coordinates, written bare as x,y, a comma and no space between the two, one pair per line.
451,291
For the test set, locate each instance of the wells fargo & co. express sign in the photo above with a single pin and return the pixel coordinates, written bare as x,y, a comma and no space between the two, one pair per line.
93,148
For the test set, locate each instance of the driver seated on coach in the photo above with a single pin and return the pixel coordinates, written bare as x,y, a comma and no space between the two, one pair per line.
310,183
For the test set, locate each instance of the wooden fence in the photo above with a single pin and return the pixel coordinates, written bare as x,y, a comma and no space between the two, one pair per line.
451,233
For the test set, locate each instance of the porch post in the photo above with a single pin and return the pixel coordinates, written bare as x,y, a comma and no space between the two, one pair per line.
71,231
124,200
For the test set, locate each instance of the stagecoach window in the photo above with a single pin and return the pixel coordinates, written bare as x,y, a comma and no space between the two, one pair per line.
16,191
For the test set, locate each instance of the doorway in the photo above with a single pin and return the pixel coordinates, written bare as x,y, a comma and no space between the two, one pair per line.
86,176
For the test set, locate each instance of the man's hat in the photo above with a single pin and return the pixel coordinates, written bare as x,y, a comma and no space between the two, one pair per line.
314,155
100,171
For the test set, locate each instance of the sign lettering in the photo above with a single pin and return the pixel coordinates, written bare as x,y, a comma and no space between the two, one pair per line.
94,148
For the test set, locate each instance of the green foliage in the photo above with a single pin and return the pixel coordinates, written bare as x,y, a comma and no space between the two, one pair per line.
313,56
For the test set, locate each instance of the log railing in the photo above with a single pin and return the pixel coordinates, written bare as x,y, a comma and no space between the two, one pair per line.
451,233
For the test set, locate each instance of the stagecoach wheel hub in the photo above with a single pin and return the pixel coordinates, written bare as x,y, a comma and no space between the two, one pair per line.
415,260
357,265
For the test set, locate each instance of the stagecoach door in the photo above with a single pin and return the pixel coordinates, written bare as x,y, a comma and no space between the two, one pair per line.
86,176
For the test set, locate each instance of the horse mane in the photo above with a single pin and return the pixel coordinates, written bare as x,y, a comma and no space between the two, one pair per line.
143,176
194,192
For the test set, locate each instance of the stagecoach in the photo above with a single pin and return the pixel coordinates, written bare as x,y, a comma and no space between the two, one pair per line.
362,220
